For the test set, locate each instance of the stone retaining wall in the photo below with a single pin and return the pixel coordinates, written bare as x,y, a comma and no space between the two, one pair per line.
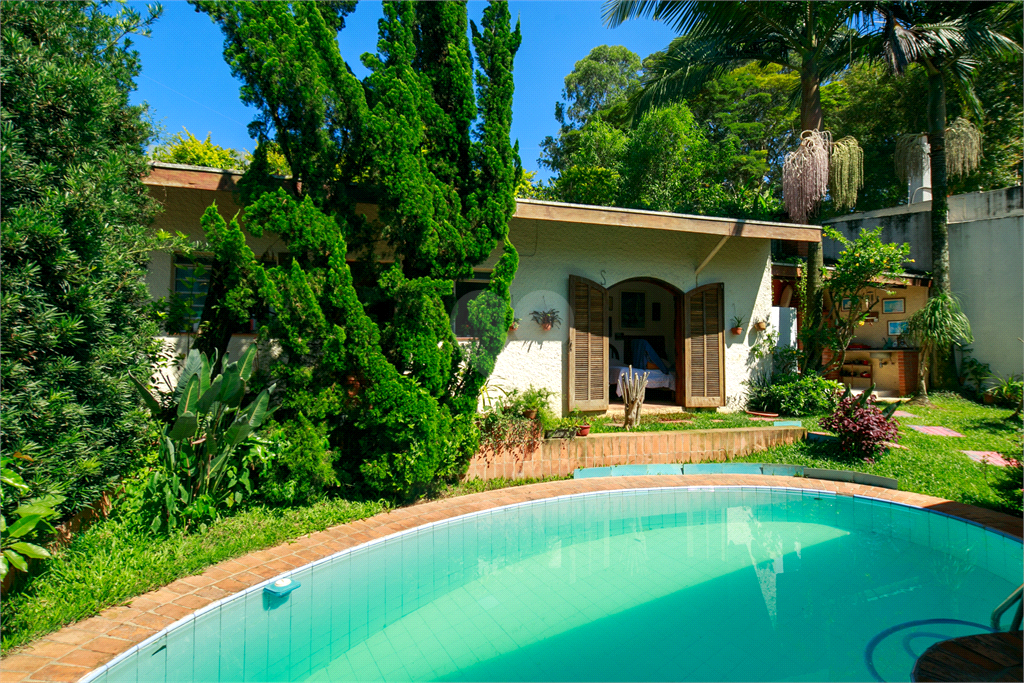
559,457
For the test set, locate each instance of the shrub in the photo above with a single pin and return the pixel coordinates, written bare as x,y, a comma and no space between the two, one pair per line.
75,217
1008,391
862,427
793,394
32,523
295,463
504,427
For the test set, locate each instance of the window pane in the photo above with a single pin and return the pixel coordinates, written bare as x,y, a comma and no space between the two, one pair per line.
192,283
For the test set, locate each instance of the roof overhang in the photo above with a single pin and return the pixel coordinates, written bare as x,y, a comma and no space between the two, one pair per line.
191,177
220,180
557,212
790,271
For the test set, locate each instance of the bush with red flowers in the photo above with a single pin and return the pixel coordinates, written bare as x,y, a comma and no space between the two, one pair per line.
862,427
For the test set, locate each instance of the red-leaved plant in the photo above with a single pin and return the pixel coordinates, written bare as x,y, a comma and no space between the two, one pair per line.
863,428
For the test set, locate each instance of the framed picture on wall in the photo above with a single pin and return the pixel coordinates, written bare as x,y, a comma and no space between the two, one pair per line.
897,328
894,305
632,310
847,304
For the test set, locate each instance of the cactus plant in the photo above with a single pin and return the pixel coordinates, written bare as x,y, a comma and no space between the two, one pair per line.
197,475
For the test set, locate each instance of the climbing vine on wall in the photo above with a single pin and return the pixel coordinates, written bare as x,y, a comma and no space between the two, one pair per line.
367,346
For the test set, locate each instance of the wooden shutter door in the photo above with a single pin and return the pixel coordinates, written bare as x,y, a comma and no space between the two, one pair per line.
704,362
588,345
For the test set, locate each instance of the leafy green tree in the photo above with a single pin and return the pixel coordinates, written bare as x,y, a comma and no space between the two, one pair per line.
863,264
877,108
74,244
668,164
188,149
601,81
371,356
752,105
592,112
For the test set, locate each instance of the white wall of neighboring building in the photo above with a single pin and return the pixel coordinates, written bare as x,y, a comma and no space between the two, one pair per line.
986,267
548,255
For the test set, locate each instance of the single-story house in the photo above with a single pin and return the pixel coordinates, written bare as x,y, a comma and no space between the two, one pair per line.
621,281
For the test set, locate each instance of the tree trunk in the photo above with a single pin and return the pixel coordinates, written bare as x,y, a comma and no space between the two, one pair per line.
811,118
940,203
922,374
943,370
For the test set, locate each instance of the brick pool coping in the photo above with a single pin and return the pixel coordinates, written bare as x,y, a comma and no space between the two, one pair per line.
72,652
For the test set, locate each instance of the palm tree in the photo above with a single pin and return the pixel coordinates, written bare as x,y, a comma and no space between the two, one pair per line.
947,39
814,38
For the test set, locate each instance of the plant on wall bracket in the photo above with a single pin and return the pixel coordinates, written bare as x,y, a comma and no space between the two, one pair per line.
546,319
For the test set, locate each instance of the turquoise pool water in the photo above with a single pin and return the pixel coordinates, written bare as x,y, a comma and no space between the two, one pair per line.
724,584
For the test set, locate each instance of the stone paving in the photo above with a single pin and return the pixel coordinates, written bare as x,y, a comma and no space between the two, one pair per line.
72,652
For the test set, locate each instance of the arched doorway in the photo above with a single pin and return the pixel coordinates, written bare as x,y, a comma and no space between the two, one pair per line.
654,326
644,320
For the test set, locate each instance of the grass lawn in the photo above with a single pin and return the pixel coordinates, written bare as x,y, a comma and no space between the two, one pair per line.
680,421
933,465
117,559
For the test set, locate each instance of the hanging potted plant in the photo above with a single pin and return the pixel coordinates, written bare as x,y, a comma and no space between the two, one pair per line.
761,325
546,319
737,325
515,324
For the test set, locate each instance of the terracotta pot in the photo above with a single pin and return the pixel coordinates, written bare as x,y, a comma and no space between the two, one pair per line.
988,398
546,327
583,430
761,326
737,330
530,414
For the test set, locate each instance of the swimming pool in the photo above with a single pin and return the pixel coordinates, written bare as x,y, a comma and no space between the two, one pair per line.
730,583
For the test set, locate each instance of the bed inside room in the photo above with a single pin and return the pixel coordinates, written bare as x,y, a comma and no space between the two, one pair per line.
661,384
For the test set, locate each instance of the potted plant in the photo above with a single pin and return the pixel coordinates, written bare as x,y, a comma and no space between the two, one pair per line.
546,319
737,325
534,402
584,429
761,325
515,324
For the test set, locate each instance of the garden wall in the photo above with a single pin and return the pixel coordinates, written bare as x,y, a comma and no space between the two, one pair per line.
559,457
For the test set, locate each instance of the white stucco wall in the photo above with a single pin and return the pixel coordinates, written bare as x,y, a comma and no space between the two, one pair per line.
549,254
986,268
182,210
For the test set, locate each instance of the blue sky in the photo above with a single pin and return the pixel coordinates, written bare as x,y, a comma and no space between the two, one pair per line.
187,83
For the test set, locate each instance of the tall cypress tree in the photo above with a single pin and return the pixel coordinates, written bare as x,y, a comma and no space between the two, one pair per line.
369,347
74,246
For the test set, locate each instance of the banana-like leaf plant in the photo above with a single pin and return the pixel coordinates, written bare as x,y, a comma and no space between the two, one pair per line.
20,538
198,474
